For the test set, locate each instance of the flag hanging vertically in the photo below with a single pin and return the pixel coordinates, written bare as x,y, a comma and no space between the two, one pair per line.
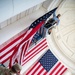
48,64
17,49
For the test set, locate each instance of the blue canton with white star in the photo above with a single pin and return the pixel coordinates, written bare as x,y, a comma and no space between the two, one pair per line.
48,60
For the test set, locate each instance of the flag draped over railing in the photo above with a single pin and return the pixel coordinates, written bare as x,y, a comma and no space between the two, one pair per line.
18,51
48,64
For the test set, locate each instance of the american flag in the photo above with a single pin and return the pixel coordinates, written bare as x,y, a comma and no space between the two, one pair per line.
18,48
48,64
22,47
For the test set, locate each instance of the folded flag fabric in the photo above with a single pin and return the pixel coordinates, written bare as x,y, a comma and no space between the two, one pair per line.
48,64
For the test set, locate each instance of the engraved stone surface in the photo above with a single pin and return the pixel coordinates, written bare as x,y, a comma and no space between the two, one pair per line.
66,29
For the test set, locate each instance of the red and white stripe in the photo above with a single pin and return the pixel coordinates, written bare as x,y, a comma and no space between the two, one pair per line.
6,51
42,45
25,49
38,69
18,53
57,69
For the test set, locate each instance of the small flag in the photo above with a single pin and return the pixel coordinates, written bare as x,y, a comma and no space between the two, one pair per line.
47,65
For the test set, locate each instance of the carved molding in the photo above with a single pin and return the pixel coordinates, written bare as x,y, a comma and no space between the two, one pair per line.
64,34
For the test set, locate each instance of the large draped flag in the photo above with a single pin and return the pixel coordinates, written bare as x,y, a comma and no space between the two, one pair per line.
22,47
20,50
48,64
